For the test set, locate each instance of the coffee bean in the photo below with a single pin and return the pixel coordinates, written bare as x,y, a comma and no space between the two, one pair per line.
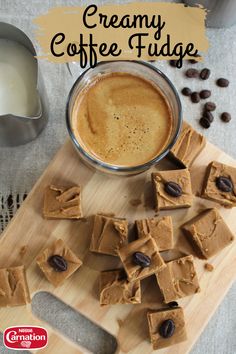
210,106
186,91
58,263
222,82
225,117
173,189
173,63
167,328
208,115
224,184
192,73
195,98
173,304
141,259
205,94
194,61
205,74
205,123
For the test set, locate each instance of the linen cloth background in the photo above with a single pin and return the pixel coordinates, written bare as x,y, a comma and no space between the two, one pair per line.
21,166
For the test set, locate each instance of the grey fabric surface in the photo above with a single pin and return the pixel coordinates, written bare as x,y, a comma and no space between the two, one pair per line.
20,167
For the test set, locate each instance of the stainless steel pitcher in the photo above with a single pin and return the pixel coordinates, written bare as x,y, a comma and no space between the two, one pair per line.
17,130
222,13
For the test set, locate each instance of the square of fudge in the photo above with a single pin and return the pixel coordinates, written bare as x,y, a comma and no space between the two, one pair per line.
172,189
178,279
141,258
160,229
188,146
58,262
62,203
220,184
208,233
164,334
14,289
109,234
116,289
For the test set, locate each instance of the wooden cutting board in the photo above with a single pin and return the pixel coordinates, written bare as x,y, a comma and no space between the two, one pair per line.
120,195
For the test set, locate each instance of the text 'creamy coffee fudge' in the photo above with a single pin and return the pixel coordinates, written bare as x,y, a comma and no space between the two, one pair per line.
178,279
58,262
109,234
220,184
160,229
62,203
13,287
166,327
172,189
208,233
116,289
188,146
141,258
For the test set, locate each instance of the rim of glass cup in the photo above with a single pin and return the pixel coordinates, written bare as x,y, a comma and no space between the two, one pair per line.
115,168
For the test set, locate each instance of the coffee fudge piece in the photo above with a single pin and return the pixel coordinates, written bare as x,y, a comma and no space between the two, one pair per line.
109,234
141,258
172,189
62,203
220,184
116,289
166,327
58,262
13,287
188,146
161,229
178,279
208,233
197,174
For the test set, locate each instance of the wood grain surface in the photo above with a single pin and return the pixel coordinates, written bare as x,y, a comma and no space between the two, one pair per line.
111,194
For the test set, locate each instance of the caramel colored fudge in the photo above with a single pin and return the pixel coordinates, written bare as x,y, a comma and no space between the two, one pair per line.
109,234
220,184
208,233
166,327
141,258
116,289
58,262
188,146
172,189
62,203
160,229
178,279
13,287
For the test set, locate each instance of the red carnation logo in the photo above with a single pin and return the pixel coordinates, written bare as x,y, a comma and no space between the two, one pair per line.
25,337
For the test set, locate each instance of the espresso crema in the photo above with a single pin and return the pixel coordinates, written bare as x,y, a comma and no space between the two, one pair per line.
122,119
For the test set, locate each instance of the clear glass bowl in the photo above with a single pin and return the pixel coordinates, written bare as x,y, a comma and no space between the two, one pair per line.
138,68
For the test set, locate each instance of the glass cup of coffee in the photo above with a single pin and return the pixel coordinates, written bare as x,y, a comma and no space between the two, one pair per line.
123,116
